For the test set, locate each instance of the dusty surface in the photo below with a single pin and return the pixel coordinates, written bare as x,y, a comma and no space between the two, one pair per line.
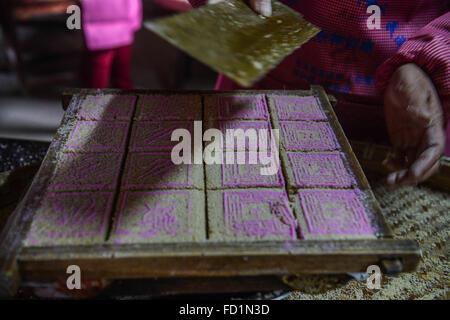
418,213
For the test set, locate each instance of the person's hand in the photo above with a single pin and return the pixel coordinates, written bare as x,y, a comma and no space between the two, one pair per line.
415,125
263,7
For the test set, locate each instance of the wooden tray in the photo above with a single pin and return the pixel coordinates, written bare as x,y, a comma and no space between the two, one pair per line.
207,259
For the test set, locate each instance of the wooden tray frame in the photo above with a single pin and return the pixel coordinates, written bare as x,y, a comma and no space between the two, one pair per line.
108,261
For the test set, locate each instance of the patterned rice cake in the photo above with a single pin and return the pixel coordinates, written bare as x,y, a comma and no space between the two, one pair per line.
156,136
107,107
322,169
169,108
243,135
86,171
246,170
160,216
307,136
79,218
98,136
156,170
236,107
297,108
250,215
333,214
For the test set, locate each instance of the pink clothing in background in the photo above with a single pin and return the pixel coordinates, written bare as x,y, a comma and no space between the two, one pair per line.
109,24
355,64
99,66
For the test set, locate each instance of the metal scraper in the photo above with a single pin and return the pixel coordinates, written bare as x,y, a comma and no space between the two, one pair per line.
235,41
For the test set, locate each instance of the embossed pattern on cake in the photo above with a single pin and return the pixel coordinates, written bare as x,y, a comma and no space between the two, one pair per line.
243,135
180,107
98,136
298,108
156,170
324,169
77,206
250,215
244,170
307,136
107,107
334,214
156,136
236,107
160,216
71,218
116,168
86,171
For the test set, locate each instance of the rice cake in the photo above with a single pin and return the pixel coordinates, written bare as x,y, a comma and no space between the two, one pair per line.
107,107
307,136
247,174
250,215
156,136
98,136
160,216
71,218
246,135
169,107
293,108
236,107
333,214
318,169
86,171
156,170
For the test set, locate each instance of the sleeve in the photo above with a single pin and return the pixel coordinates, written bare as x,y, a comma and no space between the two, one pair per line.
430,50
197,3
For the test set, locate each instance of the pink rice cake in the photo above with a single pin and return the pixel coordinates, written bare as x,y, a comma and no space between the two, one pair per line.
247,174
248,107
336,214
157,170
324,169
76,218
246,126
107,107
169,108
298,108
81,171
307,136
250,215
156,136
98,136
160,216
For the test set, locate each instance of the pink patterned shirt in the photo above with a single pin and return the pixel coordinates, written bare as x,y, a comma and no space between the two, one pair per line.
355,64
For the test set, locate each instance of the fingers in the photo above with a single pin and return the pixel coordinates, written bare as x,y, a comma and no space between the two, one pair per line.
263,7
429,153
394,178
414,119
394,162
427,159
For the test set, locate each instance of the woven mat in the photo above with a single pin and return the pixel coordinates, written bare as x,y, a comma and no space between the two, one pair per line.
418,213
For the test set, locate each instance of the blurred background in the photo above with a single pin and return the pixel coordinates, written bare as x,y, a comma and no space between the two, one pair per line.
40,57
